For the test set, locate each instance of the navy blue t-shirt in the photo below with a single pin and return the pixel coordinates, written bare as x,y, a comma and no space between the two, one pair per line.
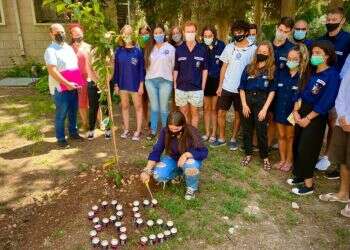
190,66
341,43
129,68
255,83
321,90
281,54
287,91
214,62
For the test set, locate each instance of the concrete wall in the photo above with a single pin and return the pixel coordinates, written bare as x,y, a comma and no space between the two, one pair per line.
35,36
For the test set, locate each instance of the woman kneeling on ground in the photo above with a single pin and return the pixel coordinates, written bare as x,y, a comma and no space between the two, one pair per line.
184,153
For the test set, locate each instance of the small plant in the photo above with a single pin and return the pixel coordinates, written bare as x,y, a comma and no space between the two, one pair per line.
116,176
30,132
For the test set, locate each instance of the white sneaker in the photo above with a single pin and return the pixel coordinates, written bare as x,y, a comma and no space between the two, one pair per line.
323,163
190,194
90,135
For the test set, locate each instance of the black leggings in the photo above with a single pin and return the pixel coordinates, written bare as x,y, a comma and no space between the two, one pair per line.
94,104
308,143
255,101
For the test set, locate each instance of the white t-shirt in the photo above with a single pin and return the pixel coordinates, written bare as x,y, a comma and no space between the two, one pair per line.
63,57
162,62
237,59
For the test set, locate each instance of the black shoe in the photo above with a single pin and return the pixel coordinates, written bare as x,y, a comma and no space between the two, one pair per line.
76,137
333,175
303,190
295,181
63,144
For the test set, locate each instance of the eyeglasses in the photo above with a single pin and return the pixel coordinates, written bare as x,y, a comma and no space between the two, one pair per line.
304,29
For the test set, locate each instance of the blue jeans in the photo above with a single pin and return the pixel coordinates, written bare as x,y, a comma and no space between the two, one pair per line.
167,169
159,91
66,105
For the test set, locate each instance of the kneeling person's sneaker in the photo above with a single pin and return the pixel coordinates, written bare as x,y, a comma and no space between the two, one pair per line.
190,194
333,175
217,143
63,144
303,190
295,181
108,134
90,135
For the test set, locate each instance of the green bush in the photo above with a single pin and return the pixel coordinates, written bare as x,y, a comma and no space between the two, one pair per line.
42,85
30,68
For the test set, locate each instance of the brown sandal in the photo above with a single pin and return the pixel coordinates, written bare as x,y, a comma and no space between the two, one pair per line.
267,165
246,160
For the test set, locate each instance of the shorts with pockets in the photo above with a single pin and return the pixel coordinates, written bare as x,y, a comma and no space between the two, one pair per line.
195,98
340,147
226,100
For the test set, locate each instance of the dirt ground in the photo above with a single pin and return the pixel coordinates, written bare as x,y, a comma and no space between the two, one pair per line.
45,194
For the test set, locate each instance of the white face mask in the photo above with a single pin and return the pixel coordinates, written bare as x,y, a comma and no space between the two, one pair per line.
208,41
190,37
280,36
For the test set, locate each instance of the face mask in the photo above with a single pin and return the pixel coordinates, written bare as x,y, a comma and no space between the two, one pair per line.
280,36
261,57
127,39
292,64
299,35
239,38
251,39
177,38
175,134
316,60
159,38
208,41
77,39
190,37
60,37
146,38
332,26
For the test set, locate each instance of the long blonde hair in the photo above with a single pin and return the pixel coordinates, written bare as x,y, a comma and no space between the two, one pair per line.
254,70
303,68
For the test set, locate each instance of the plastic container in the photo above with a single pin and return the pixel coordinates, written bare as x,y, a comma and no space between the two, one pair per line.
105,222
146,203
94,209
91,215
113,219
143,241
96,220
120,215
122,230
114,243
119,207
95,242
152,239
104,244
104,204
160,237
98,227
169,224
114,203
154,203
123,238
160,222
150,223
136,204
173,231
167,234
93,234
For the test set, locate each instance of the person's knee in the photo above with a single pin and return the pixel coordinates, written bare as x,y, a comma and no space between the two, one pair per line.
191,163
159,173
222,114
282,136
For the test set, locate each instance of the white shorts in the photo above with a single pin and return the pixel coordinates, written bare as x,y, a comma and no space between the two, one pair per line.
195,98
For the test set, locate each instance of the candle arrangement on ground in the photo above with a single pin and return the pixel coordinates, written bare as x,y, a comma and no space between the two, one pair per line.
166,231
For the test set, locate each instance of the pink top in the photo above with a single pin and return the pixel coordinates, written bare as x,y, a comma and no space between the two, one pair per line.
72,75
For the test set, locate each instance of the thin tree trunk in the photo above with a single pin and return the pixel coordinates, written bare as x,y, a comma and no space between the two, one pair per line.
259,5
335,3
288,8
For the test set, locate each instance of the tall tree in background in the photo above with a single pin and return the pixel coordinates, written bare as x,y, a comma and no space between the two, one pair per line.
288,8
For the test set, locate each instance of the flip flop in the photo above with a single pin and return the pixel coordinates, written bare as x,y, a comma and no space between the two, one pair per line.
279,165
346,211
286,167
332,198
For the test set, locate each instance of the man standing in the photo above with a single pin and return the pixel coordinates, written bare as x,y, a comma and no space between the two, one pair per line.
300,30
341,41
59,57
235,57
190,75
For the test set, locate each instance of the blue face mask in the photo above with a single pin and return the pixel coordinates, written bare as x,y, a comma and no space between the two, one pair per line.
159,38
251,39
299,35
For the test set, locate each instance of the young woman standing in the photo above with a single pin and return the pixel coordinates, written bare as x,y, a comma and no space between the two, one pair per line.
159,78
128,79
317,98
287,90
257,92
214,48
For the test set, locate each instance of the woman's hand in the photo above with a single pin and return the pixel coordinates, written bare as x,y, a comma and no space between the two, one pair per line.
183,158
145,177
344,124
219,91
116,90
245,110
297,117
304,122
262,114
140,91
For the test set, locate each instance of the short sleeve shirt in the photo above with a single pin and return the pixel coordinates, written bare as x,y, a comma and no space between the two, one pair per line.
61,56
237,59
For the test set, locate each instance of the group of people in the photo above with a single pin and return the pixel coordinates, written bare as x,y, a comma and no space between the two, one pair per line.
293,86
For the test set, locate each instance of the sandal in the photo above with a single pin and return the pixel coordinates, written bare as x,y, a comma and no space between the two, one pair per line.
125,134
267,165
346,211
136,136
246,160
279,165
212,139
286,167
332,197
205,138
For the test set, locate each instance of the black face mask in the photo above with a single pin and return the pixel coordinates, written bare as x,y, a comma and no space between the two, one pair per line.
238,38
59,37
332,26
175,134
261,57
77,40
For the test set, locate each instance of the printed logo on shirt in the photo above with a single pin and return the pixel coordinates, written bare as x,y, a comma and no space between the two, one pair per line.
217,56
134,61
339,53
166,52
198,58
282,58
250,77
295,88
182,59
264,77
280,85
198,64
317,86
217,61
266,83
